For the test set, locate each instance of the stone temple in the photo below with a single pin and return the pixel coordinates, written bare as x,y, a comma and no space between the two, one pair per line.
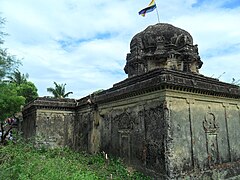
166,119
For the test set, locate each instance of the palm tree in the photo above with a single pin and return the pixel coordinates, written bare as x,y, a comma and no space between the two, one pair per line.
59,91
18,78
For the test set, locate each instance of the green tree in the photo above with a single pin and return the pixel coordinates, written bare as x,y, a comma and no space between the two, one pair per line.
24,87
17,91
59,91
10,101
7,62
2,21
18,78
28,90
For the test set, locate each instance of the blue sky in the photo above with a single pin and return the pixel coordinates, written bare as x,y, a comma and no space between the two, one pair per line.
232,4
84,43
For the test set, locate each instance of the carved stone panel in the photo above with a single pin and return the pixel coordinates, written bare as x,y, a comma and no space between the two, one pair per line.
153,149
180,136
125,145
233,123
211,129
122,124
125,121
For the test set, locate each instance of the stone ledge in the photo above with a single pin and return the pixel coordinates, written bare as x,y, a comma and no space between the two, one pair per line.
51,103
169,79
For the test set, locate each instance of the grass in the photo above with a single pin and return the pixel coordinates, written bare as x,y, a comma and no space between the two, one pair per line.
23,161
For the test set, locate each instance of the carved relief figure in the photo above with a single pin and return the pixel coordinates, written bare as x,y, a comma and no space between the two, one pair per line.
160,39
211,129
148,41
124,121
174,39
209,124
183,40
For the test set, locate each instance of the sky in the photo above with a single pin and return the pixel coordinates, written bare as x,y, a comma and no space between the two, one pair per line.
84,43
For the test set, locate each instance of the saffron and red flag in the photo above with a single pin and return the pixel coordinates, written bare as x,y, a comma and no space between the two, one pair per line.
152,5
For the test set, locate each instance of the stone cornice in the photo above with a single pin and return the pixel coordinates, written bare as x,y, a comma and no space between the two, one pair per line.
51,103
168,79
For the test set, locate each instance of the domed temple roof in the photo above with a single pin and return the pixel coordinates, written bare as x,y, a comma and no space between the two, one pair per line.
162,46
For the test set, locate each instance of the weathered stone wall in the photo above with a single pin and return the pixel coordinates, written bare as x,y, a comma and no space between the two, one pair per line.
82,131
55,128
155,123
203,132
132,129
50,121
169,132
28,126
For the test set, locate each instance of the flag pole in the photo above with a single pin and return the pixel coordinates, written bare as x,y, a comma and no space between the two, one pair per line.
157,13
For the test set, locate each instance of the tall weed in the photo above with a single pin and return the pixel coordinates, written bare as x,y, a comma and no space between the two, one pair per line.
23,161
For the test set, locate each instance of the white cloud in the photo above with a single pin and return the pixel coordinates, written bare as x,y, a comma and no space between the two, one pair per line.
84,43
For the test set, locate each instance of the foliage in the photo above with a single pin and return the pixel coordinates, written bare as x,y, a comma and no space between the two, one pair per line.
59,91
28,90
13,96
18,78
14,92
2,21
7,62
7,128
24,87
23,161
10,101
